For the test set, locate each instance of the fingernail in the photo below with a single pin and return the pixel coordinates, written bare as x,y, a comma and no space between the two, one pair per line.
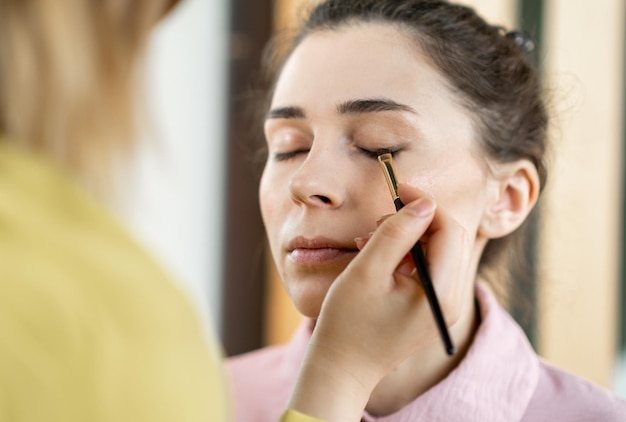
360,242
423,207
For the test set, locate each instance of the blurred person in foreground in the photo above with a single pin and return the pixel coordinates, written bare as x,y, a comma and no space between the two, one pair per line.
91,329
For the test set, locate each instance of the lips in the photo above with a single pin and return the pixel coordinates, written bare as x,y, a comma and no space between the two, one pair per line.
319,250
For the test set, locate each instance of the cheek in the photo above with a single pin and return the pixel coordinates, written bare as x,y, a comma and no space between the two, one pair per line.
268,200
269,203
459,188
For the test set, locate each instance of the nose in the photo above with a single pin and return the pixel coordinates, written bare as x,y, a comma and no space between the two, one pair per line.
317,182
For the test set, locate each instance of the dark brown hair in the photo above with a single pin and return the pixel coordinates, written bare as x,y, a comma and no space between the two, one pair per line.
489,69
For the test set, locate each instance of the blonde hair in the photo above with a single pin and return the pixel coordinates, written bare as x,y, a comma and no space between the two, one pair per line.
68,78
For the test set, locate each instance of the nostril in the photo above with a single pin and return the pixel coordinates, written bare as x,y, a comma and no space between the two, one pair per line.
324,199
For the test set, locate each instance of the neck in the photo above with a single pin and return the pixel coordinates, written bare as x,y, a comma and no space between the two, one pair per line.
424,369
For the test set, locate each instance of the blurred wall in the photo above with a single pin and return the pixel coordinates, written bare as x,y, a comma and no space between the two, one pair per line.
175,198
581,217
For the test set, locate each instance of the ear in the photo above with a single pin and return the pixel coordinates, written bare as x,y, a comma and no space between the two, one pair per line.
515,193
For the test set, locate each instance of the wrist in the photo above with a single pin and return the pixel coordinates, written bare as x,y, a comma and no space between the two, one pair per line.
332,386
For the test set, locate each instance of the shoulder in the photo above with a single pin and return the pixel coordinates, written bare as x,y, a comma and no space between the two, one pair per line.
566,397
261,382
256,364
280,363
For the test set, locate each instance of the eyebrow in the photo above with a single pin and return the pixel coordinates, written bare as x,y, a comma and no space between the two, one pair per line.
289,112
348,107
372,106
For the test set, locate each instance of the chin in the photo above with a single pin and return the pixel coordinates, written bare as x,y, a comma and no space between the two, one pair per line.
308,298
309,310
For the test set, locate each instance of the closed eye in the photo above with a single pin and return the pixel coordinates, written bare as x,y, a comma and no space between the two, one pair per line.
284,156
374,153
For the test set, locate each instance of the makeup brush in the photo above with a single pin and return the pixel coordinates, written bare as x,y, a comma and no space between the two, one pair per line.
419,259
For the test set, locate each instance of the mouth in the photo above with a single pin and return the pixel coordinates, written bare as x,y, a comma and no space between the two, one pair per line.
319,251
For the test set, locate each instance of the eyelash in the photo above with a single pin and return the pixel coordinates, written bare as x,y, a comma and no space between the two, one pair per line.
284,156
373,154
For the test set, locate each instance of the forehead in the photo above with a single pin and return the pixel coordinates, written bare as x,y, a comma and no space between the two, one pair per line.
360,60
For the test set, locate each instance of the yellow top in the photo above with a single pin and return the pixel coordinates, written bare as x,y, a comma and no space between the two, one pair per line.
91,329
293,416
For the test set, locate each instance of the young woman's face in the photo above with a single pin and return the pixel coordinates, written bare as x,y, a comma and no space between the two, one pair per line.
342,96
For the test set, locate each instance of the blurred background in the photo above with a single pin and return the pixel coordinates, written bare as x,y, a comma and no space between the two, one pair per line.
193,197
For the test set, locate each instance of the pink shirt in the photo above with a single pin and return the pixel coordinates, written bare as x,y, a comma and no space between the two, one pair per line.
500,379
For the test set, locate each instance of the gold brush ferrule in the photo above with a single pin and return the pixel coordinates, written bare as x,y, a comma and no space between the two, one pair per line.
386,162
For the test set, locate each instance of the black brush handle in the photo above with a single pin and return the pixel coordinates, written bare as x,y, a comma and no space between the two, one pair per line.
424,275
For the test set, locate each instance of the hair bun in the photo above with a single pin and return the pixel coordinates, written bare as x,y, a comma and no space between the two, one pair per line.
522,40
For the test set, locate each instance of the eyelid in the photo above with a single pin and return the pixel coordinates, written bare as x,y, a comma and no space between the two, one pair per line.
287,137
272,126
286,141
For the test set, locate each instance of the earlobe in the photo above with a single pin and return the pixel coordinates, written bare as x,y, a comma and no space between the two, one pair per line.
516,190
